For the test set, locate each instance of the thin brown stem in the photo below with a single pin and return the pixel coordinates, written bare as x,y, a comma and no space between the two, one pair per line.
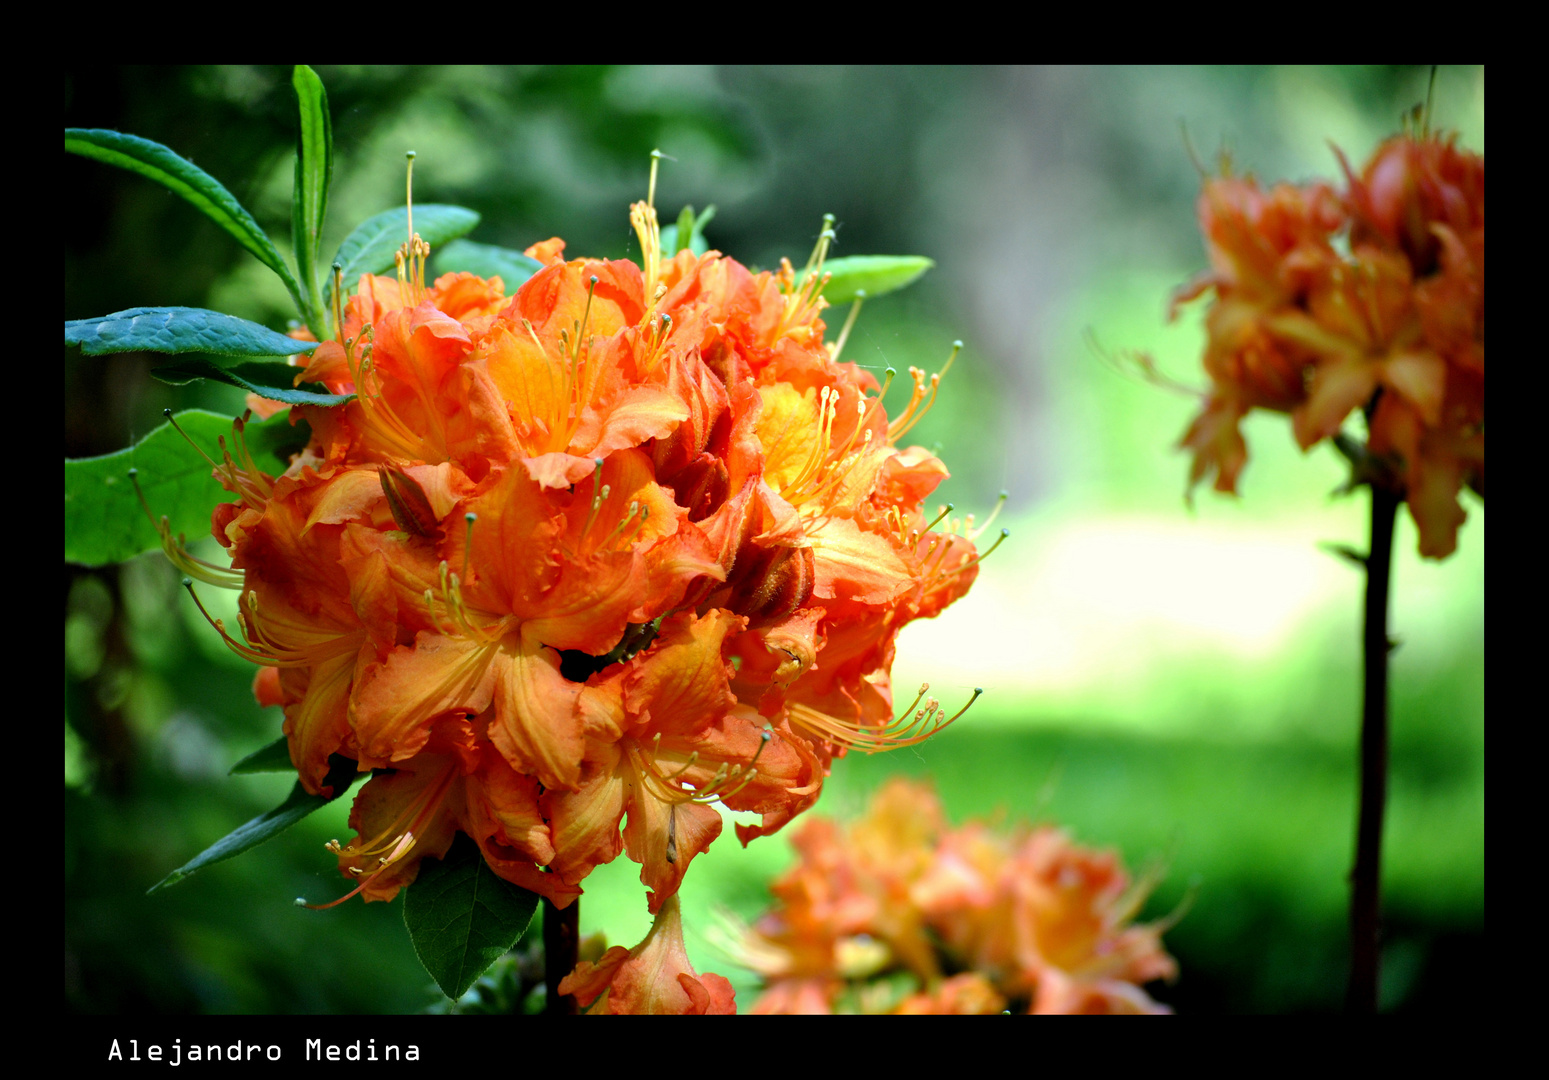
561,950
1365,878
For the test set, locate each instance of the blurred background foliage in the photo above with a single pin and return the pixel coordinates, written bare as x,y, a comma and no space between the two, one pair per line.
1181,685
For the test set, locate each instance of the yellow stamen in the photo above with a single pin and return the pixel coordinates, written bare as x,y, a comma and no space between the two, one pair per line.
804,302
906,730
909,417
581,398
726,781
937,575
469,518
177,550
849,324
400,849
408,196
338,301
375,414
974,534
410,257
314,646
642,215
600,493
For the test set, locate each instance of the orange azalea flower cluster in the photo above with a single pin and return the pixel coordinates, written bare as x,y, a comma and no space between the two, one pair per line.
981,922
1396,326
616,548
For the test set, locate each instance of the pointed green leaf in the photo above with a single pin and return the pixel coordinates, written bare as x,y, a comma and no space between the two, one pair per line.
697,243
271,378
104,522
155,162
341,774
272,758
683,233
178,330
370,248
462,917
309,200
871,275
487,260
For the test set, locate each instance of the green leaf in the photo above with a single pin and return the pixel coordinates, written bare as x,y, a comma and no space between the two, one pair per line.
487,260
371,247
179,330
272,758
155,162
462,917
341,774
309,200
104,522
871,275
270,379
684,229
697,243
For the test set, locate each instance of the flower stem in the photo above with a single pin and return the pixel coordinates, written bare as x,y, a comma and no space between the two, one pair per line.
1361,996
561,950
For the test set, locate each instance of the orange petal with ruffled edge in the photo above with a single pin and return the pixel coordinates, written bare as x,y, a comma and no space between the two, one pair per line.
853,564
412,812
395,701
536,724
664,837
654,978
680,685
585,822
318,724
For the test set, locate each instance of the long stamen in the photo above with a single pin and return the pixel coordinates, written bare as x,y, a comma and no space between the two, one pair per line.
636,514
262,648
338,301
820,249
938,575
408,197
911,416
974,534
469,518
836,473
827,398
173,421
376,413
249,482
849,324
642,215
399,850
177,550
726,781
581,397
906,730
410,257
242,649
599,493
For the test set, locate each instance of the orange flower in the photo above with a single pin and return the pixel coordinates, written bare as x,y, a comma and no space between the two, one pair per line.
1031,921
591,557
1395,327
654,978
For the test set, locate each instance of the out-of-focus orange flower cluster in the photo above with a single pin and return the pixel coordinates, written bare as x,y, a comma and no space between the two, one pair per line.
899,913
1326,301
621,546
